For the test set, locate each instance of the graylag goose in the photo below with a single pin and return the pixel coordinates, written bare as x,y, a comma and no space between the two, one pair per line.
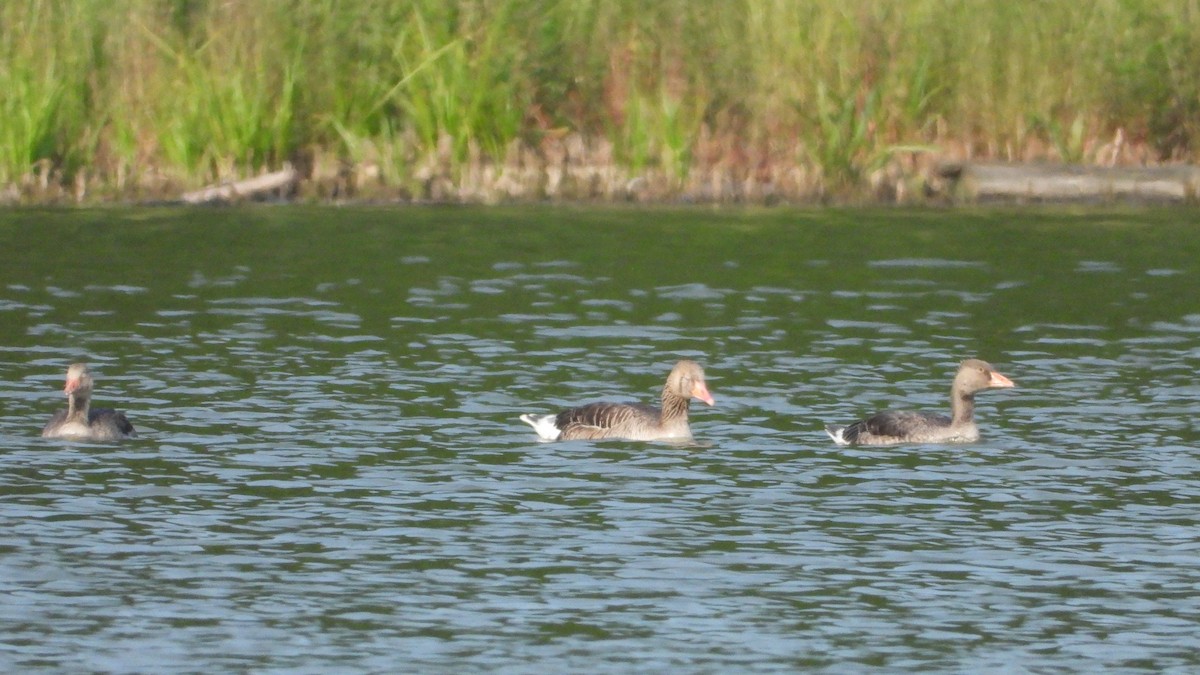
631,421
79,420
907,426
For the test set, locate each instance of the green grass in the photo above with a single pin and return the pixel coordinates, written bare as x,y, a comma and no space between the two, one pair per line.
200,90
44,105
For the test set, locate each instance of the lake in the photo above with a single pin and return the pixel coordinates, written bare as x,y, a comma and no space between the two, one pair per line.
329,473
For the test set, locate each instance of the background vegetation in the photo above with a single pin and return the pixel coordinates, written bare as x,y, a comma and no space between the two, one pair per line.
498,99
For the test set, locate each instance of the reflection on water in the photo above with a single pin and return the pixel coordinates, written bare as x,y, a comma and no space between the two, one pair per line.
330,473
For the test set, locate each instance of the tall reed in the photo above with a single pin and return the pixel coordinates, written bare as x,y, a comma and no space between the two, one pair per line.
46,57
196,90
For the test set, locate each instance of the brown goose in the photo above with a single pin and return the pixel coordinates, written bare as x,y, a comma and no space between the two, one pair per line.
631,421
906,426
79,421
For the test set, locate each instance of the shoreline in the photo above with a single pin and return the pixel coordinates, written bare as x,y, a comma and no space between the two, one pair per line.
537,177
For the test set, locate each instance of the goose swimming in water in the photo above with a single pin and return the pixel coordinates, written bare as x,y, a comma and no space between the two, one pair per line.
905,426
631,421
79,420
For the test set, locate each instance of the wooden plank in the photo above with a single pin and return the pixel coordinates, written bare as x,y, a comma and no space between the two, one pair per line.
241,189
1069,183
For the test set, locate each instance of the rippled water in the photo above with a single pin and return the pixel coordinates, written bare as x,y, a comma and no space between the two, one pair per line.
330,475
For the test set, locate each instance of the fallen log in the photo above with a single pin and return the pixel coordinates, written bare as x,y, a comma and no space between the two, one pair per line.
227,192
1068,183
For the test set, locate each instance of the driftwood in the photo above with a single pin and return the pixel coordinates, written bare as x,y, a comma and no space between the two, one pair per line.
1068,183
227,192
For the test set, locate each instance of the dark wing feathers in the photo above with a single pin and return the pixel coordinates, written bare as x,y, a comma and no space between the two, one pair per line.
601,420
108,416
894,424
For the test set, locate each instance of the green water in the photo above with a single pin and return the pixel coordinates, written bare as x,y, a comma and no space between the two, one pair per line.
330,474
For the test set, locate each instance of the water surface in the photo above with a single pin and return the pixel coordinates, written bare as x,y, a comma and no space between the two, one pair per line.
330,475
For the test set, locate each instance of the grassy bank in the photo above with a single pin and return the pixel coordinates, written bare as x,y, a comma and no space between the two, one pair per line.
499,99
